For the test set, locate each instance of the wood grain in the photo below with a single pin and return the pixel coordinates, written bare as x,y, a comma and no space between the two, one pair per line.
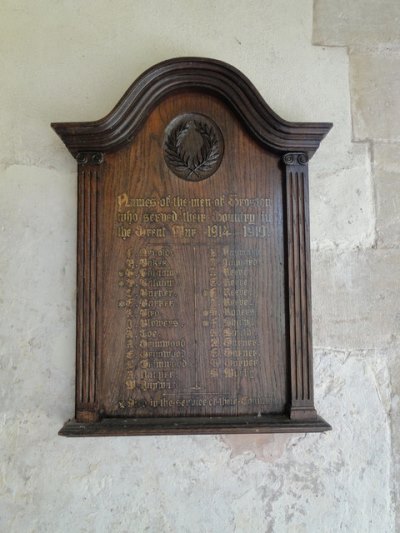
174,76
193,279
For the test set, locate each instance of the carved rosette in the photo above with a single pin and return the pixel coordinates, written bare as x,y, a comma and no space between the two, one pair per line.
91,158
298,259
293,158
193,147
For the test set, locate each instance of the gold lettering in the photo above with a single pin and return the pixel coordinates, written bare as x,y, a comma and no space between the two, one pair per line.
129,217
193,217
247,218
160,217
156,385
256,231
156,375
183,232
124,233
150,232
178,201
200,202
124,201
235,201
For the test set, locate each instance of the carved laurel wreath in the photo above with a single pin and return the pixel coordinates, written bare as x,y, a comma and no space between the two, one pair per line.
193,147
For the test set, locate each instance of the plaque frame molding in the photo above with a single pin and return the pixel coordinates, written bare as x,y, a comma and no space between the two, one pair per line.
295,142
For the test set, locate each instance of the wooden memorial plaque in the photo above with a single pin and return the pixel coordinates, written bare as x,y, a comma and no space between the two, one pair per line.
193,304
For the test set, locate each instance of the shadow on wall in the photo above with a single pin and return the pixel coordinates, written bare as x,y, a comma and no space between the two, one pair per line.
267,448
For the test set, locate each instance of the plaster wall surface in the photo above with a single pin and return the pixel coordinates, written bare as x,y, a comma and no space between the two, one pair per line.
72,60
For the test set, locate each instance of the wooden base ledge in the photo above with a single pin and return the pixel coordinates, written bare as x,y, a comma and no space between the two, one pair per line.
112,427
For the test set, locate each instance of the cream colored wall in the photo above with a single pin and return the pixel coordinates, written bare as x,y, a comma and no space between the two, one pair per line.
72,60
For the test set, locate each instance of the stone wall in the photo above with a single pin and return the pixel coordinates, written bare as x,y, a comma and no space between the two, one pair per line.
362,315
331,61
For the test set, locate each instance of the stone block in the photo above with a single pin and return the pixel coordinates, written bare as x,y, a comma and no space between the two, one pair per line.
375,91
356,23
37,287
356,298
387,191
394,365
341,199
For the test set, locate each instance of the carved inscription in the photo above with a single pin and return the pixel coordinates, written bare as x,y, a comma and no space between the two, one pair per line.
189,218
188,345
150,305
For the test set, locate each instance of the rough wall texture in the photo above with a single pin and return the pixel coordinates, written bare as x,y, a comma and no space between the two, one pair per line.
72,60
363,283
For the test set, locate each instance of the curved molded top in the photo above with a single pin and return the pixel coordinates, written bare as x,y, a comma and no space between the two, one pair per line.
207,75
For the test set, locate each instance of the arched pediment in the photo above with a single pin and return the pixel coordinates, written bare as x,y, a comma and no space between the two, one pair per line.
120,126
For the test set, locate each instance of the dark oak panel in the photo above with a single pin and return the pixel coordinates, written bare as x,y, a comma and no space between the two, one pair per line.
193,260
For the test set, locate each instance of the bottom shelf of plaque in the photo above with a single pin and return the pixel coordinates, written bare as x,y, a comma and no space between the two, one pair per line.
193,426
